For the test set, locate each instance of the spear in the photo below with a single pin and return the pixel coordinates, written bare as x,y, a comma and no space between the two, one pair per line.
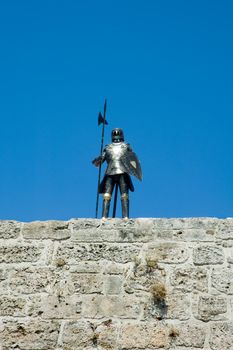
101,120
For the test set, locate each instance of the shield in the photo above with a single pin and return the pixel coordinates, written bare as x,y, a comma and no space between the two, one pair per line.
133,165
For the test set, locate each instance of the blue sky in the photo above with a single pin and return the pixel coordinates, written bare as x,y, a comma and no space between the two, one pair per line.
166,70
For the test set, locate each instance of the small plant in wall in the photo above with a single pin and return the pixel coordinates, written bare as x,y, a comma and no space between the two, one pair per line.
151,264
159,293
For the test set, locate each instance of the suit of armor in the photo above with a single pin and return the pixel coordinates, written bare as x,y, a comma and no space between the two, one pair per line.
121,162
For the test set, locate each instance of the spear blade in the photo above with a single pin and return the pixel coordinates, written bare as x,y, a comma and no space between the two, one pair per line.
101,120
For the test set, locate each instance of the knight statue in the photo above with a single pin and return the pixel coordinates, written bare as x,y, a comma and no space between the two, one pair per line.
121,163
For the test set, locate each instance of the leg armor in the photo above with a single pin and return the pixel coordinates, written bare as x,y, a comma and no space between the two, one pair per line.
125,205
109,185
124,189
106,205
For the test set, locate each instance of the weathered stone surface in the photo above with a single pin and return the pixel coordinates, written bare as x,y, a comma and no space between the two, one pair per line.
190,335
113,284
141,284
87,283
93,231
188,279
225,229
171,253
57,230
19,253
208,254
190,223
3,287
97,235
2,274
78,336
88,267
211,308
221,336
12,306
174,306
9,229
138,231
113,268
222,279
29,334
178,306
106,335
144,335
73,254
31,280
185,235
143,276
56,307
98,306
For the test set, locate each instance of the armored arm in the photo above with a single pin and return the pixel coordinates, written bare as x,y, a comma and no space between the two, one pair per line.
99,160
129,148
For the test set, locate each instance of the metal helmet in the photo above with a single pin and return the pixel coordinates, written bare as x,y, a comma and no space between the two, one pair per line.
117,135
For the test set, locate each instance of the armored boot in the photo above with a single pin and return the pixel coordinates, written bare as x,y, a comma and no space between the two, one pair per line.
106,205
125,205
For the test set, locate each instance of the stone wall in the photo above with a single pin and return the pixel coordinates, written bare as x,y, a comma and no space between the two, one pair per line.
141,284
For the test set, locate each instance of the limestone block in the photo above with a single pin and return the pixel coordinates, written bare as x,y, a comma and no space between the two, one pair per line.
87,283
187,223
98,306
92,231
19,253
87,224
29,334
133,230
3,287
106,335
87,267
55,307
221,336
122,253
113,268
12,306
143,278
208,254
174,306
57,230
189,348
74,253
190,335
9,229
3,275
185,235
178,306
229,259
139,230
210,308
144,335
61,285
34,305
97,235
225,229
113,284
170,253
78,336
31,280
188,279
222,279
